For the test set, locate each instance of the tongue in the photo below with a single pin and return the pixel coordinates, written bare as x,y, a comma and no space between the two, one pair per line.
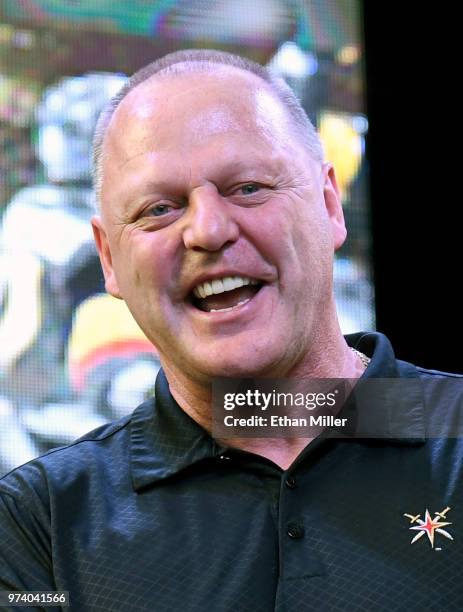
227,299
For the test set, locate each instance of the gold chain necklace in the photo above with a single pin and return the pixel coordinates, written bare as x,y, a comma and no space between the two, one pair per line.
363,358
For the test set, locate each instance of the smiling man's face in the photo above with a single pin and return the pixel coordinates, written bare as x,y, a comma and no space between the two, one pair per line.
206,190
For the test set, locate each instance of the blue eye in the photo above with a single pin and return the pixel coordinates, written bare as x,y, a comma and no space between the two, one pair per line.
159,210
249,189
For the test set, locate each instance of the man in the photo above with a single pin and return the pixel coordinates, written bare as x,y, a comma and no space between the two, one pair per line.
218,223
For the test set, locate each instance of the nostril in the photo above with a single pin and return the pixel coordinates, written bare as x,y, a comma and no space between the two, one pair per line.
211,248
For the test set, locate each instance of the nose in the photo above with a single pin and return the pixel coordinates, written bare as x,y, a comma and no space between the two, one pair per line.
209,225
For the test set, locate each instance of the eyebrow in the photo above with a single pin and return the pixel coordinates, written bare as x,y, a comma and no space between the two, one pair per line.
227,170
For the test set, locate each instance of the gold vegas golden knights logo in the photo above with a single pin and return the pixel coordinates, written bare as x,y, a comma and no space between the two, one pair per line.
429,526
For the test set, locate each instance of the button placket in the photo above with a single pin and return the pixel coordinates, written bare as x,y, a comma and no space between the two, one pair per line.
290,482
297,557
295,530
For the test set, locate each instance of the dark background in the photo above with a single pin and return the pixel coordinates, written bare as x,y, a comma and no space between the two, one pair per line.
414,164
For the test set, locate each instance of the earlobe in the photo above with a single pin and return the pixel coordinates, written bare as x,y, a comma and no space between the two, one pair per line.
104,251
333,206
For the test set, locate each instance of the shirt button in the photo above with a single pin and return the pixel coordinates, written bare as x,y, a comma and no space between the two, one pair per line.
224,458
295,531
290,482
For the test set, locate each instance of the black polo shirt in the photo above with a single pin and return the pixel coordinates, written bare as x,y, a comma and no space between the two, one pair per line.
150,513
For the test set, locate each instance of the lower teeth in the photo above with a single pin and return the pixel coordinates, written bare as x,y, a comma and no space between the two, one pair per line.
231,307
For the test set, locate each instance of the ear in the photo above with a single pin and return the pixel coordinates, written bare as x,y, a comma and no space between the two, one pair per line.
333,205
104,251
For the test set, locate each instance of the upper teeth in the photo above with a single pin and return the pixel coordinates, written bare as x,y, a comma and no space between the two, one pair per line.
219,285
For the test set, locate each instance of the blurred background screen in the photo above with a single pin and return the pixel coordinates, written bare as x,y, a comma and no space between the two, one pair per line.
71,357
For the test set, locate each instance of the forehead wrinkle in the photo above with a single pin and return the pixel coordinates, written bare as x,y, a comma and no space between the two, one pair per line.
131,158
118,147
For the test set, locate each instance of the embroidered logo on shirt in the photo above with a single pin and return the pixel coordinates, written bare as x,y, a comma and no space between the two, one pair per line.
430,526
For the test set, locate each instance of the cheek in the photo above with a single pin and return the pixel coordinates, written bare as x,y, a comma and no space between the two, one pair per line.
152,264
137,264
289,237
270,229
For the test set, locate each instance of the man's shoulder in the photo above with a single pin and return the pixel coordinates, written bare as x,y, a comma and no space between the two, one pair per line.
441,396
409,370
105,445
426,373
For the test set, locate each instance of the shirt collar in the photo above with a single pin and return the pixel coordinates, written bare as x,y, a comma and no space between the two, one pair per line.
165,440
392,407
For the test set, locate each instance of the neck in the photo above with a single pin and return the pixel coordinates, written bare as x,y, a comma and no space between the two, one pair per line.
335,360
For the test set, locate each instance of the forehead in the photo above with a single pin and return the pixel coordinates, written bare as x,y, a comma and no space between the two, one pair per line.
189,108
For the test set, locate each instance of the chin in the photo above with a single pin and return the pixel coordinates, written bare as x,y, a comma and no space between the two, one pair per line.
239,366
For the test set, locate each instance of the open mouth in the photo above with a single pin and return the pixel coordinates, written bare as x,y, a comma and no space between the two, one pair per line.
224,294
